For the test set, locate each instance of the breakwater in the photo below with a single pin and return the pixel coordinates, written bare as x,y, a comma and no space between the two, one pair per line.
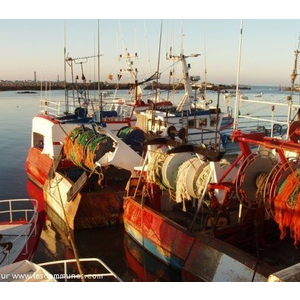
60,85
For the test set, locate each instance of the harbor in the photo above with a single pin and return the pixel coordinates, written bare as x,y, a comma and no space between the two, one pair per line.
54,243
158,176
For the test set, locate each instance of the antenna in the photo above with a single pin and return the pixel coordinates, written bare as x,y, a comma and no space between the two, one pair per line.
147,42
237,100
182,35
158,60
205,65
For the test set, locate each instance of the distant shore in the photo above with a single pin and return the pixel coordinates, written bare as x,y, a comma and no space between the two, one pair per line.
36,86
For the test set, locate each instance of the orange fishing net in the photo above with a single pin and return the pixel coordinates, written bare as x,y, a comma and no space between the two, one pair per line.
287,207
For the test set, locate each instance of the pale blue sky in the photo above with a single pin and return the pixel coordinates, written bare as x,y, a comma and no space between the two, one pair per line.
37,45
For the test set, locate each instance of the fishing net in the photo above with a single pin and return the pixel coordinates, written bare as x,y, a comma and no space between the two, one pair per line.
154,167
83,147
287,207
91,149
132,136
70,145
124,132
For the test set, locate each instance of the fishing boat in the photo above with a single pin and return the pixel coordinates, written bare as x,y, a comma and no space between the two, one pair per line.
194,119
119,113
20,229
58,271
81,168
221,221
77,160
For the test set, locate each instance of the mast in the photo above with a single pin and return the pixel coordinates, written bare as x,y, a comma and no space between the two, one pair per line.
98,60
65,68
237,100
205,66
293,79
99,88
188,96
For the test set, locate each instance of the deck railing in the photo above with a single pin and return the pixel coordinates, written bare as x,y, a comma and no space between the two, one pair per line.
66,275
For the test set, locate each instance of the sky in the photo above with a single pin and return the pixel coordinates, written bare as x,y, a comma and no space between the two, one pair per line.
36,44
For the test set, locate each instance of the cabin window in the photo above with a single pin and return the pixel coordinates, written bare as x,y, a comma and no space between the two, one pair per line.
202,122
192,123
213,121
38,140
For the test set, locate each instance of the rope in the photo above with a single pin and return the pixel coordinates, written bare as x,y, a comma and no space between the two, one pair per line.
69,234
181,190
154,167
261,181
6,248
200,184
180,193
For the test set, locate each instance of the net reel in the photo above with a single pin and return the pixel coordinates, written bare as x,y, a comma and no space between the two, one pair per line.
275,180
294,132
251,178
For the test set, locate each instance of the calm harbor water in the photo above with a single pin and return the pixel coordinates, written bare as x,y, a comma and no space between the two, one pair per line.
110,244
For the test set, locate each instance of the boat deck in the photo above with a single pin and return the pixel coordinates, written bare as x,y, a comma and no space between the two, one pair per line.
262,242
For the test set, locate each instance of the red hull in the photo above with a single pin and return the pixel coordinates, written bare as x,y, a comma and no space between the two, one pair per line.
165,238
199,256
38,166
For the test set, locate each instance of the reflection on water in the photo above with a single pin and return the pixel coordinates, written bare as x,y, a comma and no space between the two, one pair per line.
145,266
111,244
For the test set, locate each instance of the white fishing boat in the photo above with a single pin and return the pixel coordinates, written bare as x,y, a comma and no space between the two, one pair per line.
77,160
20,228
193,121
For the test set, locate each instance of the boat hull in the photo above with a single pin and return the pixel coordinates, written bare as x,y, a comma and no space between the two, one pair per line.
199,256
98,208
32,244
145,265
20,230
157,234
87,209
38,166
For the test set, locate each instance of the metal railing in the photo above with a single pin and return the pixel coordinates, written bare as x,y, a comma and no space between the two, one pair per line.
52,108
11,212
65,276
272,118
57,108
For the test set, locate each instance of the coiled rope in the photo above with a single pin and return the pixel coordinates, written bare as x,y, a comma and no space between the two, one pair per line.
154,167
154,175
182,194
